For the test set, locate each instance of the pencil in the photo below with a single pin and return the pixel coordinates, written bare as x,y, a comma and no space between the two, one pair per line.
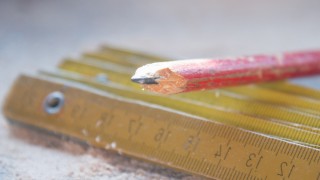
173,77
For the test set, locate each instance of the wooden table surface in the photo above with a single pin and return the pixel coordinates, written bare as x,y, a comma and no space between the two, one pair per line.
36,35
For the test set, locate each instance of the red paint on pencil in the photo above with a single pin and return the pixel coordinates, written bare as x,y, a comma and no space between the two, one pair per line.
191,75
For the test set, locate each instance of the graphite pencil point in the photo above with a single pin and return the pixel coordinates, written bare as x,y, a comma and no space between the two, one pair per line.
144,80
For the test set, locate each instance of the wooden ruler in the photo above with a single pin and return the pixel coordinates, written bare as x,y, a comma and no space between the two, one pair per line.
235,135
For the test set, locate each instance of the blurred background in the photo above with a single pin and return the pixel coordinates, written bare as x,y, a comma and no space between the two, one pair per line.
38,34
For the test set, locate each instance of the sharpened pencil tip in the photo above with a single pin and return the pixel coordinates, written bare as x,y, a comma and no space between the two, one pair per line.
144,80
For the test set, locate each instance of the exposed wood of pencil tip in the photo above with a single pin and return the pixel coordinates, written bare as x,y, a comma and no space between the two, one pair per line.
162,81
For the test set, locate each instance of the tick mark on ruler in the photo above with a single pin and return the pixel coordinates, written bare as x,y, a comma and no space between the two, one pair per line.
217,166
249,174
260,150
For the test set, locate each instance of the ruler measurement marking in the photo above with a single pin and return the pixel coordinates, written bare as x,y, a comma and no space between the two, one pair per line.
318,156
181,159
219,171
221,131
268,146
252,140
293,153
218,164
208,169
237,175
195,126
261,146
207,129
174,157
198,167
184,161
242,175
212,168
280,149
164,155
194,164
245,140
276,147
303,155
315,158
311,158
232,173
224,132
212,131
273,144
204,167
256,141
249,138
248,174
287,149
231,137
228,174
223,172
309,154
201,167
171,157
189,162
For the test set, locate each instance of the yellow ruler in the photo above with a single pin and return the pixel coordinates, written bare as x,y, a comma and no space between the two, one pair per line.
270,131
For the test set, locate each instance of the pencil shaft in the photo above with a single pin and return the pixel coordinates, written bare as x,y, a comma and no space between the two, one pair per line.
190,75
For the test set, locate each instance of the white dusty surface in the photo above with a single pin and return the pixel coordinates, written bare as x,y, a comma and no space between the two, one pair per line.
36,35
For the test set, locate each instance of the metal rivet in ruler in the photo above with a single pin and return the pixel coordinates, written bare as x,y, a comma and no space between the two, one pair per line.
53,102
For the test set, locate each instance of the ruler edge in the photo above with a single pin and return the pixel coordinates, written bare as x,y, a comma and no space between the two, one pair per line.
97,92
109,95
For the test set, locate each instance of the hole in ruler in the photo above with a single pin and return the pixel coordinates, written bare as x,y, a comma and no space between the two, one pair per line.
53,102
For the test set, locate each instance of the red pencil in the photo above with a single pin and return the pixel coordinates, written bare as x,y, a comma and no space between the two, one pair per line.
200,74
